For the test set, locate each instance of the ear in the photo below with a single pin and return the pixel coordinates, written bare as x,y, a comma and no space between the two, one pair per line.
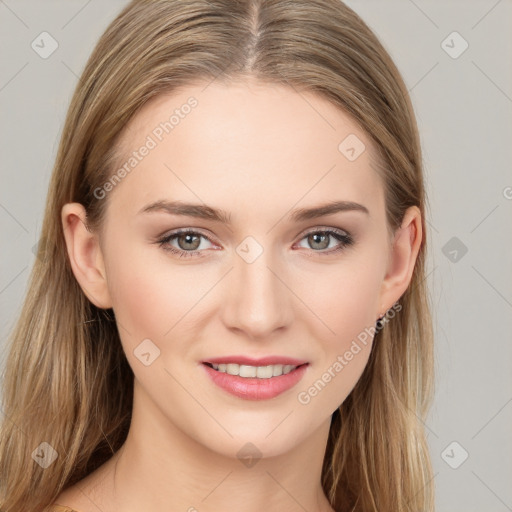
404,251
85,255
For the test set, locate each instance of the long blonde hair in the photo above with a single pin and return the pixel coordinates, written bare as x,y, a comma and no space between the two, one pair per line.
67,381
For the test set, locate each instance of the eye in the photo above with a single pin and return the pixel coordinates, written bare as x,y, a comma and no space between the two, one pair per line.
188,243
334,240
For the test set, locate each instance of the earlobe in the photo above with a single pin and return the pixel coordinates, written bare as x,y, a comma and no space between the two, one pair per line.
404,252
85,255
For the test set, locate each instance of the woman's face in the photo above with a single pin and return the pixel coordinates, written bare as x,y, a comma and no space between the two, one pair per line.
263,273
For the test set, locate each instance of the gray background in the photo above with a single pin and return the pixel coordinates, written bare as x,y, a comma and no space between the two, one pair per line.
464,108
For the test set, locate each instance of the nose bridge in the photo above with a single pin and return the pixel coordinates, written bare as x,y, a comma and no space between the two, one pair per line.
257,300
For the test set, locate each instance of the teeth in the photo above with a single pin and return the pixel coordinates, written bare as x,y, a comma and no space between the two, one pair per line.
260,372
277,370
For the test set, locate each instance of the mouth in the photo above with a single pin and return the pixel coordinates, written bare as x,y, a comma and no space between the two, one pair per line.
252,379
251,372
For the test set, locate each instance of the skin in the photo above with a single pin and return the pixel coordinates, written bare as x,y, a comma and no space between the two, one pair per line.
259,152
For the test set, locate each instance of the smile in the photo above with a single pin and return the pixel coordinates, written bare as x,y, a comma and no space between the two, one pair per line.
254,382
259,372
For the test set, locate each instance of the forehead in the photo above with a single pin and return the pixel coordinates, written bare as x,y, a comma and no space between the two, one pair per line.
246,143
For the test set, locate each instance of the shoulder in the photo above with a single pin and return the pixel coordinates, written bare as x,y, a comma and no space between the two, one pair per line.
69,496
90,494
61,508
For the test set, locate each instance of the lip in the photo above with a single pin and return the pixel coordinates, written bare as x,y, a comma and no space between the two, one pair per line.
262,361
254,388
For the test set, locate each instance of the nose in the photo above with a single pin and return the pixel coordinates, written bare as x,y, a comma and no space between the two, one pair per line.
257,300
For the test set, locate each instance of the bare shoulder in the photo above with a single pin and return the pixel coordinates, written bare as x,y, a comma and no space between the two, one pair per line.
70,500
62,508
86,495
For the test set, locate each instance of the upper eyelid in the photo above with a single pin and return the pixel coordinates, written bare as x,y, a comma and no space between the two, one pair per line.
326,228
185,231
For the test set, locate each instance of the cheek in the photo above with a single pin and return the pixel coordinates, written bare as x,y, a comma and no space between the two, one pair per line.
344,298
149,295
156,298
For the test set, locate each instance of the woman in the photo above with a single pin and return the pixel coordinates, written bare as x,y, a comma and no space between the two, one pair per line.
228,309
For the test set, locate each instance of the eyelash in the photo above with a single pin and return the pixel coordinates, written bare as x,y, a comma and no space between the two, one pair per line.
339,235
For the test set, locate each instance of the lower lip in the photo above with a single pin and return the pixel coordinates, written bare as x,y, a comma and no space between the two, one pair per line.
254,388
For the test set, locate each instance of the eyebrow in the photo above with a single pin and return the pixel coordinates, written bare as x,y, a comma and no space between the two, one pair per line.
215,214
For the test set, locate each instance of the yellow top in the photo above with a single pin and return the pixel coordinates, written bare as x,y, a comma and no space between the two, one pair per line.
61,508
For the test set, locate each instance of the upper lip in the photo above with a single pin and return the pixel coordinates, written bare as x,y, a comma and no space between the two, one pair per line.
262,361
